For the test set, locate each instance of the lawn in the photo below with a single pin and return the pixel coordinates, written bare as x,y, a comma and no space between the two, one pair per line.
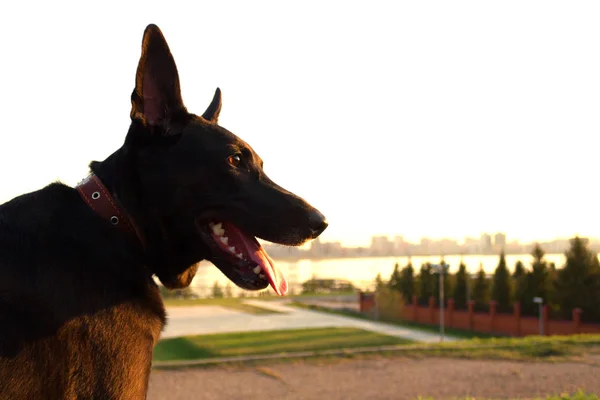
268,342
230,302
287,342
530,348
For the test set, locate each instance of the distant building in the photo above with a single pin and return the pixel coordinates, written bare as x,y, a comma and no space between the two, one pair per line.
499,240
426,246
470,245
381,246
332,249
448,246
400,246
513,247
485,242
316,247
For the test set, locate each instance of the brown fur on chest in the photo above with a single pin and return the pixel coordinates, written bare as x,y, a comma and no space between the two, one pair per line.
106,355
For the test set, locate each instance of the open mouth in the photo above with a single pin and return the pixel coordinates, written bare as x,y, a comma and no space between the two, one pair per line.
242,259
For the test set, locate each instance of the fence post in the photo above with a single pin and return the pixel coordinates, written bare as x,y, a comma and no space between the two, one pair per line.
493,304
450,312
577,320
361,301
471,305
517,308
432,309
546,319
415,305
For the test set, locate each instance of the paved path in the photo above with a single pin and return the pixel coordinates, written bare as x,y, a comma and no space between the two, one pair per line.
211,319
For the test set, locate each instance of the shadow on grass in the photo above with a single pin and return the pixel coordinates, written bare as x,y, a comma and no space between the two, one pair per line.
180,349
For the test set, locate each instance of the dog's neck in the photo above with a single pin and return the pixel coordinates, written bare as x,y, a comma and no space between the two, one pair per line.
98,198
107,174
161,250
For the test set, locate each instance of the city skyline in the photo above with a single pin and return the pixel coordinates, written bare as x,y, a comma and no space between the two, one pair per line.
365,239
398,246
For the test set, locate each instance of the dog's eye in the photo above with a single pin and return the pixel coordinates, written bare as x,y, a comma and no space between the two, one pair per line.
234,160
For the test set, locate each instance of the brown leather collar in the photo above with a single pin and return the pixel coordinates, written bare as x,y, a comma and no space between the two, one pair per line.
97,196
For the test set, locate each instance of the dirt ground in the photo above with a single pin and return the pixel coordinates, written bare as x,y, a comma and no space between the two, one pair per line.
378,378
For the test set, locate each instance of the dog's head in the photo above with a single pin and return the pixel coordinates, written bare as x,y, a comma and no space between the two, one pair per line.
195,190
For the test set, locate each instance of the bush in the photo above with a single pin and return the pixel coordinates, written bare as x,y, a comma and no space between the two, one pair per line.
185,293
389,303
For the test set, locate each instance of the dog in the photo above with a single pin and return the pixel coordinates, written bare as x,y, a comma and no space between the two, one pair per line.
80,311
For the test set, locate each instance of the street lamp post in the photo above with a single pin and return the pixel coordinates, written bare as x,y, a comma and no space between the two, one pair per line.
440,269
540,301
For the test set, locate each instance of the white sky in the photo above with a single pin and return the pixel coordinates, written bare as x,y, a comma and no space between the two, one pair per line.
422,118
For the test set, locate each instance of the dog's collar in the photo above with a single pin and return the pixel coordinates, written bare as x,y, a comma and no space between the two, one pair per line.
97,196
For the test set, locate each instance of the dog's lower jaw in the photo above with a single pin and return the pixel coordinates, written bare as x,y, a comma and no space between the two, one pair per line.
181,280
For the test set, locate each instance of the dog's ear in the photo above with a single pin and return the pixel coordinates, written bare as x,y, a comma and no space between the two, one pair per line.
157,95
214,109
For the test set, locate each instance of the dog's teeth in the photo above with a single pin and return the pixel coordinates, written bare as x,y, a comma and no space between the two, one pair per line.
240,256
217,229
263,276
224,240
232,249
257,270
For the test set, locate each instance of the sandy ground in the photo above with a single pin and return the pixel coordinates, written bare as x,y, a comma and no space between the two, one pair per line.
378,378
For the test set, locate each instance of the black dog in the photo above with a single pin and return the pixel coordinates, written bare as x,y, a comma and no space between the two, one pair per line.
79,310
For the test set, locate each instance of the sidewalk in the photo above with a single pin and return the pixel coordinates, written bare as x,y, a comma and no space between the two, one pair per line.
200,320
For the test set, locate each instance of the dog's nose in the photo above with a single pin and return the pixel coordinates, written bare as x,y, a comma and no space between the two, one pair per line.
317,222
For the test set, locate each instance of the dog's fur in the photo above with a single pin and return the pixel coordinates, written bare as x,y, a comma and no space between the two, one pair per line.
79,309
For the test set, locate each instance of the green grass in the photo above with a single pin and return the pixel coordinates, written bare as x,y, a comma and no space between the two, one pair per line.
458,333
231,303
579,395
268,342
290,345
531,348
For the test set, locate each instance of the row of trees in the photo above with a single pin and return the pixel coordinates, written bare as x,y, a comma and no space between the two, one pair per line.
575,284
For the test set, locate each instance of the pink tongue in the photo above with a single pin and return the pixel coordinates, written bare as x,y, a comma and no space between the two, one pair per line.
254,251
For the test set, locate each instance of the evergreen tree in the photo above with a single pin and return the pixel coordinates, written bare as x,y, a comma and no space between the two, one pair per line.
425,284
481,291
578,283
379,284
395,279
501,288
460,287
519,283
519,271
217,292
408,284
228,290
538,282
